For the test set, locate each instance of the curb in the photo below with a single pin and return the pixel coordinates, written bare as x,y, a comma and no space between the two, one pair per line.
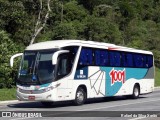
8,101
156,88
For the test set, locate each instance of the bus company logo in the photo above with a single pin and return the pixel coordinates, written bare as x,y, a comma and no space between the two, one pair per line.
117,76
81,75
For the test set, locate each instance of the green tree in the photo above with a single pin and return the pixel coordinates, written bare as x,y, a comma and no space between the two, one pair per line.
64,31
133,23
136,34
8,48
99,29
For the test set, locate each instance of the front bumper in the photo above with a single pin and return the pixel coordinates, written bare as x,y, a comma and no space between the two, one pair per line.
46,96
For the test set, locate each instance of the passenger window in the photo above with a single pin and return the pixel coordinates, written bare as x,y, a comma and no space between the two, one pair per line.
104,58
115,59
129,60
150,61
144,61
138,60
72,52
86,57
101,57
123,60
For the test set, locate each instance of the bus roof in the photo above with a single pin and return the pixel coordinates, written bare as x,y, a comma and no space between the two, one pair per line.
63,43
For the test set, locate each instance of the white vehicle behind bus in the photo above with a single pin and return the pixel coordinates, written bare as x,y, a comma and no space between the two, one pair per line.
76,70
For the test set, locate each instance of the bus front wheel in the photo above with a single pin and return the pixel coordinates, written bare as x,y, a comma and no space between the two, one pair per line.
80,97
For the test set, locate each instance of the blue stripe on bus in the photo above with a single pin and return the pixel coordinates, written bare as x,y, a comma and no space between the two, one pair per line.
112,89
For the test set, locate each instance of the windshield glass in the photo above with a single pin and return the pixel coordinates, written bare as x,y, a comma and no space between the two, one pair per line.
36,67
44,67
28,63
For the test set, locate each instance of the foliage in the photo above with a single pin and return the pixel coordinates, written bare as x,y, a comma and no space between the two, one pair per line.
7,94
8,48
123,22
64,31
99,29
157,76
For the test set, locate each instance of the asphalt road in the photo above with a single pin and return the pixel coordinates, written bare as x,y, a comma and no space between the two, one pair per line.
147,107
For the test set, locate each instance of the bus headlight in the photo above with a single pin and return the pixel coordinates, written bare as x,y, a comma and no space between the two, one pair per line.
48,89
51,88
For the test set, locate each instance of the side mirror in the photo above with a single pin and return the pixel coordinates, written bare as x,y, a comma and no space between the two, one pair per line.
56,54
14,56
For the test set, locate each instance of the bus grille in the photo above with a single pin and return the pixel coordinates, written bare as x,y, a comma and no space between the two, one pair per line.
31,91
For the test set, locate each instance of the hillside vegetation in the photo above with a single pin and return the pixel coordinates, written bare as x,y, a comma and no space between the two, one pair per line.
132,23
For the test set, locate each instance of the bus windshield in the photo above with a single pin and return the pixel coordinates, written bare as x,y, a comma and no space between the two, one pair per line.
36,67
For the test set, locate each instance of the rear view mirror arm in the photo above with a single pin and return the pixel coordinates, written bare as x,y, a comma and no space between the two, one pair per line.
14,56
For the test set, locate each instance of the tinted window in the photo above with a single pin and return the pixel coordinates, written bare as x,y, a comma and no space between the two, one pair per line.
72,52
101,57
115,59
86,56
45,68
138,60
65,61
123,59
150,61
129,60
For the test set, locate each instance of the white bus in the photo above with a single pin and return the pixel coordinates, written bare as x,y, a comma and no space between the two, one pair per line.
76,70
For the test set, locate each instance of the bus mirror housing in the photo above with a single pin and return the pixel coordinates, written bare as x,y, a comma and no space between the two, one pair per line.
14,56
56,54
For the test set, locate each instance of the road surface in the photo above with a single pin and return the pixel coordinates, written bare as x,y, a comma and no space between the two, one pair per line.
147,107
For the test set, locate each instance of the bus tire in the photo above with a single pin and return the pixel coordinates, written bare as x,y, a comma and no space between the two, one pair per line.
80,96
47,104
136,92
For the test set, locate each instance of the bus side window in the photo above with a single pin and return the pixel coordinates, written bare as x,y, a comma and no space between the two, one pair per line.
83,58
89,57
97,57
72,52
101,57
123,60
150,61
104,58
129,60
64,67
111,57
115,59
86,57
138,60
144,61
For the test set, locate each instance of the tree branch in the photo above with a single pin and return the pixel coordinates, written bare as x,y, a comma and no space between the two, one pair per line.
39,25
39,16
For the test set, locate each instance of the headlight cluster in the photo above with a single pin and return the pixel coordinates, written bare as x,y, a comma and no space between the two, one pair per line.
51,87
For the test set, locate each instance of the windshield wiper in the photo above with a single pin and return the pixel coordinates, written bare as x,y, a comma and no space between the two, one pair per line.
30,68
35,75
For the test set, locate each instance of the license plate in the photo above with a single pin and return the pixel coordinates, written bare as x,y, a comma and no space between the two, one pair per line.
31,97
